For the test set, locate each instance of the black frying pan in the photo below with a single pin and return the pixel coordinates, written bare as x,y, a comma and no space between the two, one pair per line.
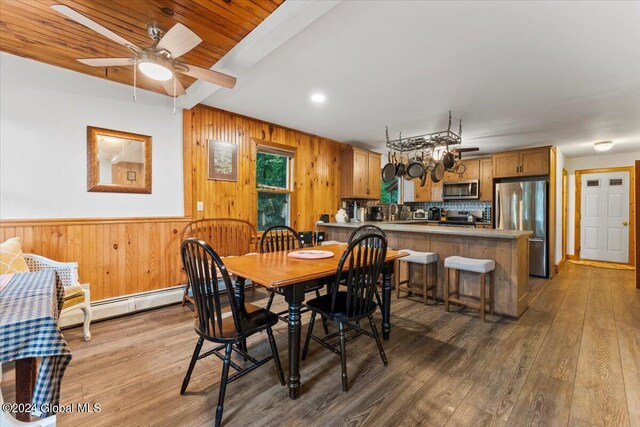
389,170
415,168
400,167
437,173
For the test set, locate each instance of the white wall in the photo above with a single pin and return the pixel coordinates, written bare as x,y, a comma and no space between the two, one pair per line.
44,112
590,162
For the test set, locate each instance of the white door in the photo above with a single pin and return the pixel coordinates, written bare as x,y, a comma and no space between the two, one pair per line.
604,213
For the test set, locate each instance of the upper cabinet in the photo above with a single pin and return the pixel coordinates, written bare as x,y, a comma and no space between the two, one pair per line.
422,194
486,179
521,163
472,172
359,174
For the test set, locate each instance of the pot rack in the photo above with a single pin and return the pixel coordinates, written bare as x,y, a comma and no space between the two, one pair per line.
427,141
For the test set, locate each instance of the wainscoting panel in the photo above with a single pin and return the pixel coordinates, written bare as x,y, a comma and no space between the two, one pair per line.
116,256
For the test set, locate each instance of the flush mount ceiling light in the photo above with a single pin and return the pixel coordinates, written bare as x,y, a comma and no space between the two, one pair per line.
318,98
603,145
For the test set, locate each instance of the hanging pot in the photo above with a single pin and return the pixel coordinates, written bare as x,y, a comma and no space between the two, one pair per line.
400,167
389,170
416,167
437,173
448,160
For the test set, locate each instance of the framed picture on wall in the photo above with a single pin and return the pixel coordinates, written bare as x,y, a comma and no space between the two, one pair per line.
222,163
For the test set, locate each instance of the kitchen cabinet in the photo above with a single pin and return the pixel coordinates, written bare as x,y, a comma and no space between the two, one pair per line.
422,194
359,174
486,179
436,191
374,175
471,173
530,162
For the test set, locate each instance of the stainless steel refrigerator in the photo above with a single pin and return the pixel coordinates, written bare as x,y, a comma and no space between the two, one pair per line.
522,205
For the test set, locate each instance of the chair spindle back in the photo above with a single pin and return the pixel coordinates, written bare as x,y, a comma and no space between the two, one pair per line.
279,238
364,258
204,270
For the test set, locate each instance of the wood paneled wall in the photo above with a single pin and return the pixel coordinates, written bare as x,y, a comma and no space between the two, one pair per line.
316,168
116,256
123,256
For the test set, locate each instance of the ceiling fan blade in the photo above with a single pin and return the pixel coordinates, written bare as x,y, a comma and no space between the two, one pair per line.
168,87
92,25
210,76
179,40
106,62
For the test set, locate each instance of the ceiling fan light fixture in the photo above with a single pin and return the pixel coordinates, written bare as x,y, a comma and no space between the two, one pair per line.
155,71
603,145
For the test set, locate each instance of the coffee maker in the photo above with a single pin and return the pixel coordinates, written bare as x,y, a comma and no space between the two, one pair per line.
434,214
375,213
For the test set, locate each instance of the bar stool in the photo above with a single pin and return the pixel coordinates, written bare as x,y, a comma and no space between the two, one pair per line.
481,266
428,262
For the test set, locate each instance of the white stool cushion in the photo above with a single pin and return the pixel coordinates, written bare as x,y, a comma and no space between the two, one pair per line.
419,257
470,264
330,242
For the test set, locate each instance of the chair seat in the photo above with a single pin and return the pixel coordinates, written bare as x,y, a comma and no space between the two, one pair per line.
419,257
252,319
323,306
470,264
73,295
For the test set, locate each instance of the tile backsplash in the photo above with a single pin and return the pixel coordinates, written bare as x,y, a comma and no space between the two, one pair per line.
460,205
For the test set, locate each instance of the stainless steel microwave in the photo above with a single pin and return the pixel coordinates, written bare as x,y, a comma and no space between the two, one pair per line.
461,190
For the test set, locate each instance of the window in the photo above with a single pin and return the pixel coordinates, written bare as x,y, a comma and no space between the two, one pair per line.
274,169
390,192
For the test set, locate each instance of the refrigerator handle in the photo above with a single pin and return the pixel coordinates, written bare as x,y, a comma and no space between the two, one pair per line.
496,214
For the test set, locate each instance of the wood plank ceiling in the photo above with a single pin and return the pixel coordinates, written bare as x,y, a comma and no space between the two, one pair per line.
32,29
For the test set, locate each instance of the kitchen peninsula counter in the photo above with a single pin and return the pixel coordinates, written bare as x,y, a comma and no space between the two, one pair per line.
509,249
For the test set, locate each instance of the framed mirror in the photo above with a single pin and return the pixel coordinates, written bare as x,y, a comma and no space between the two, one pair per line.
118,162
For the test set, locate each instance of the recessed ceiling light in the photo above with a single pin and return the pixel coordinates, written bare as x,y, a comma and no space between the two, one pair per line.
318,98
603,145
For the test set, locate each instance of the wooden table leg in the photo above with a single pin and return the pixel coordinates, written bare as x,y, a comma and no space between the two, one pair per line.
294,295
26,371
386,300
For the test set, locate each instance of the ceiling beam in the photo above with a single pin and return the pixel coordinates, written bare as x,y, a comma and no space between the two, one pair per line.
285,22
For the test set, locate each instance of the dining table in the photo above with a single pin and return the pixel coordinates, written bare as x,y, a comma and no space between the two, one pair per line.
30,304
293,276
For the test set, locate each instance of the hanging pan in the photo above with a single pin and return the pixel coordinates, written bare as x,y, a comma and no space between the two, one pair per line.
400,167
437,173
416,167
389,170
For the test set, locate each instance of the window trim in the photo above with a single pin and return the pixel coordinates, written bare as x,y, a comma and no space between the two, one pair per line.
280,150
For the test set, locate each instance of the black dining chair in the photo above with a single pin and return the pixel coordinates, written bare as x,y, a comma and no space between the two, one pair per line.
364,260
206,273
366,229
282,238
361,231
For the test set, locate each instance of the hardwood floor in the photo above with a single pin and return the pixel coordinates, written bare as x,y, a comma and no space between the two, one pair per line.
572,359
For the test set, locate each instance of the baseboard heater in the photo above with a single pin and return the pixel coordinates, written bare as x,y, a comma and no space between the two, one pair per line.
128,304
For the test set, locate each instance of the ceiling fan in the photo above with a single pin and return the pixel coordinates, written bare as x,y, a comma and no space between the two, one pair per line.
158,62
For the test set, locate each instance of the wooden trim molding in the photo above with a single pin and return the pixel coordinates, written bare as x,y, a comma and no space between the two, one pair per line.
637,224
4,223
632,210
565,204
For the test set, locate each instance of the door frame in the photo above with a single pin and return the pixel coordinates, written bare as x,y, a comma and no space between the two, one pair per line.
565,208
632,218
